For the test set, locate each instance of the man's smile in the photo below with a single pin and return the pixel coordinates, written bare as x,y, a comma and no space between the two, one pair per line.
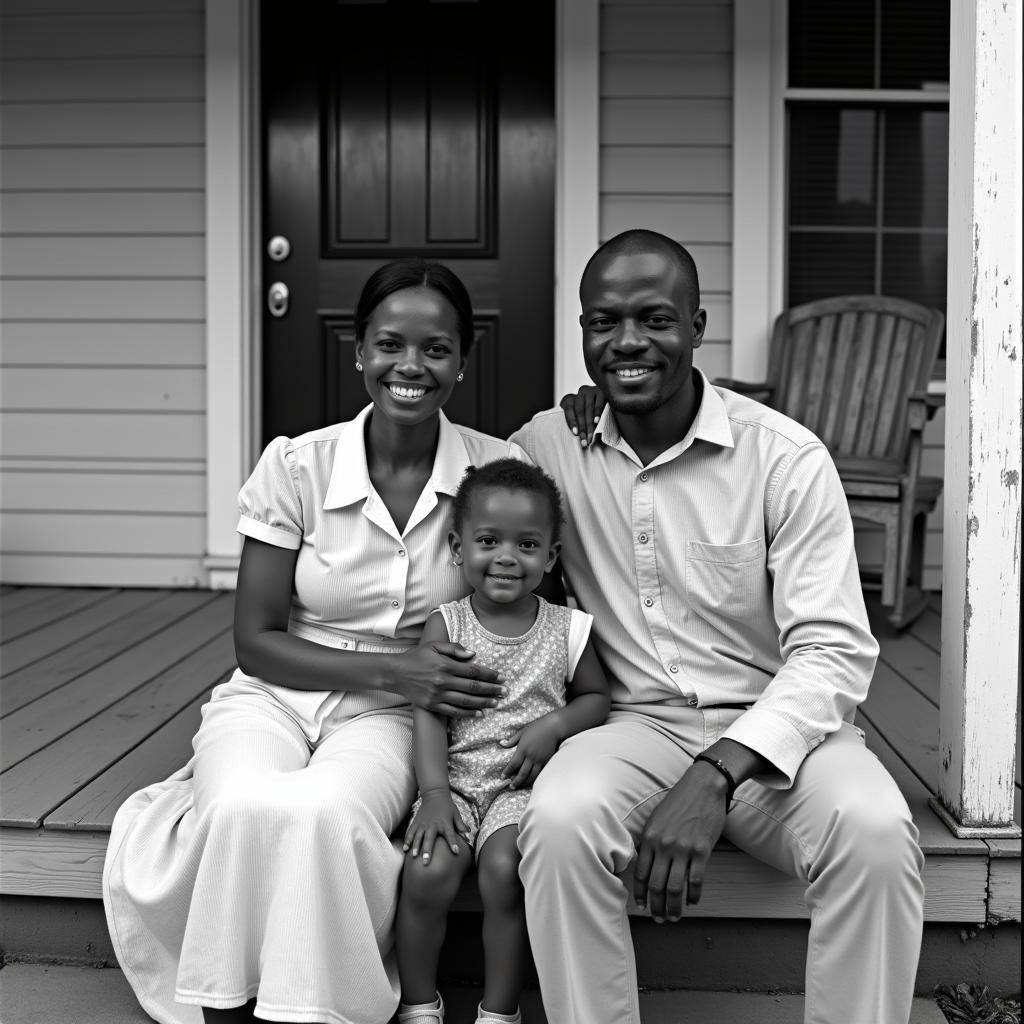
632,372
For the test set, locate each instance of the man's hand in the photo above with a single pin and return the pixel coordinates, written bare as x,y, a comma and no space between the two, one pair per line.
677,841
582,411
535,746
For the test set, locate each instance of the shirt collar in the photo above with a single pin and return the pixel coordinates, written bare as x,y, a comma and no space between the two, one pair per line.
350,475
710,424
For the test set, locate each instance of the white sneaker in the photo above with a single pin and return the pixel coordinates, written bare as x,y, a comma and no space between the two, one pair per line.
422,1013
487,1017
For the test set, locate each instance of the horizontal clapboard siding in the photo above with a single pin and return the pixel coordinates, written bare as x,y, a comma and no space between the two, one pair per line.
666,141
106,168
102,285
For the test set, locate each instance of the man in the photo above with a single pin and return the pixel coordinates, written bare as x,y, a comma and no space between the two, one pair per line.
710,538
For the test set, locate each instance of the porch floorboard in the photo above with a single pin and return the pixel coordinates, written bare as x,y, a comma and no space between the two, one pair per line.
100,691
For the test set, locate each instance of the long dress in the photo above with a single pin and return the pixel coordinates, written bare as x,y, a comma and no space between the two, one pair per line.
264,867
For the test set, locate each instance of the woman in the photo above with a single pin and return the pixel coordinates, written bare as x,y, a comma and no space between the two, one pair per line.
261,878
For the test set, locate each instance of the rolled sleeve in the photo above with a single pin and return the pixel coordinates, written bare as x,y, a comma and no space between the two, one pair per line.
825,642
269,503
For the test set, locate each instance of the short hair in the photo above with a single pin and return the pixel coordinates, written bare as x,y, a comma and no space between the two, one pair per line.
639,240
509,475
416,272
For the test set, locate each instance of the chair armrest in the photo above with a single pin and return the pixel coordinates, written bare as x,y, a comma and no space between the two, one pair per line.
743,387
922,407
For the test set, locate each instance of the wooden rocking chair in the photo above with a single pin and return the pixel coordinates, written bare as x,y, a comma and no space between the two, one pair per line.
854,369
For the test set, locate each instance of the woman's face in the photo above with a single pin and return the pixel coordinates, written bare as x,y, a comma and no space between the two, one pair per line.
411,354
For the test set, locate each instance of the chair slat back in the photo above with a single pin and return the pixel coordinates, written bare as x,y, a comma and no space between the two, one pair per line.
845,367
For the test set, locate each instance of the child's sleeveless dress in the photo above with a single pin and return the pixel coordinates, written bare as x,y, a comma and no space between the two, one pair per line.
534,667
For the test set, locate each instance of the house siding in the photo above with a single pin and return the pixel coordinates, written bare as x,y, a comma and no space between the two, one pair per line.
666,141
102,278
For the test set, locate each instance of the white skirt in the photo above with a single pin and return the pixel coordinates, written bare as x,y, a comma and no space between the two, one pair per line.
264,868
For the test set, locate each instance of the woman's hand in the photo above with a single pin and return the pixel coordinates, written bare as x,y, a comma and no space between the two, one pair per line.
535,746
582,411
441,676
437,818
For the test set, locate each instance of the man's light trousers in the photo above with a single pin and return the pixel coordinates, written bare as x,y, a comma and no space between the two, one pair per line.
843,828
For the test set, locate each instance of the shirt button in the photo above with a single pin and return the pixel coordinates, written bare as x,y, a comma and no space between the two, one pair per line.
673,668
649,601
642,538
644,476
394,604
692,702
401,552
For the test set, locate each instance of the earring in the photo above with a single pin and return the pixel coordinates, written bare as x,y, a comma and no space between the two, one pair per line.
359,367
461,377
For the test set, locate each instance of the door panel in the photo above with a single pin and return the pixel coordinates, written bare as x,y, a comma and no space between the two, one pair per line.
409,127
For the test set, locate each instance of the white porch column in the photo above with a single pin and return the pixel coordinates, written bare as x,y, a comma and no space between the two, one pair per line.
981,551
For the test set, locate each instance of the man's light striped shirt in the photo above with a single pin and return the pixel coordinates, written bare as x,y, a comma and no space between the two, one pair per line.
721,573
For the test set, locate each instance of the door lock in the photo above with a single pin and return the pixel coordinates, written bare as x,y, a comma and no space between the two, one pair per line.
279,248
277,299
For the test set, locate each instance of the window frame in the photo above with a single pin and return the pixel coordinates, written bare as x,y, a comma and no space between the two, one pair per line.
760,172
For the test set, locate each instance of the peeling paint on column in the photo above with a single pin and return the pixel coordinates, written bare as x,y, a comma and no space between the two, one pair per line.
982,518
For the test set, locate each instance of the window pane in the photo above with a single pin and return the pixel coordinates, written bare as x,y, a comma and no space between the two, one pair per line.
832,43
915,43
914,267
832,160
916,167
823,264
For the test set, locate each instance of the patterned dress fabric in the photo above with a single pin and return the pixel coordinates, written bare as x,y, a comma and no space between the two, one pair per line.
534,667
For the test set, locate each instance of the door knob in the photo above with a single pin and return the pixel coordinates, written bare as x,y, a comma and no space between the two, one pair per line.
277,299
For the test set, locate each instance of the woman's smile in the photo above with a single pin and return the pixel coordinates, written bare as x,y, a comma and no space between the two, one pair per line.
406,392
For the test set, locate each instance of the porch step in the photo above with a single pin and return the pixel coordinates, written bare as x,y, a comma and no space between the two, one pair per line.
37,994
761,955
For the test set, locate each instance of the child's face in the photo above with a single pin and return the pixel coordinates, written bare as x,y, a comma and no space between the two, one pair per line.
505,546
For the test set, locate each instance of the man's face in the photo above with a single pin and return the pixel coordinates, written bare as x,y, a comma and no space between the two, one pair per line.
640,326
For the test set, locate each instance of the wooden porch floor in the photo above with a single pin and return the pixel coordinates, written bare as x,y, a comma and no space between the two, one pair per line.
100,691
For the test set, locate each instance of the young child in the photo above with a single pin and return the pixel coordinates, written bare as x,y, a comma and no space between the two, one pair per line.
475,774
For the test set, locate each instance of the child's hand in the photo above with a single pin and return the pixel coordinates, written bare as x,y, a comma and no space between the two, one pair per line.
535,746
437,817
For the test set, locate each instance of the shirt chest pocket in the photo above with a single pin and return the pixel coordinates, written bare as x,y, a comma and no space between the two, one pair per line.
726,581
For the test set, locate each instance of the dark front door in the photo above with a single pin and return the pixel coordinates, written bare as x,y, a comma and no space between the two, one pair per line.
404,127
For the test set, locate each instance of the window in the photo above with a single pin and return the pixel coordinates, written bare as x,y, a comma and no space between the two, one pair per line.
867,114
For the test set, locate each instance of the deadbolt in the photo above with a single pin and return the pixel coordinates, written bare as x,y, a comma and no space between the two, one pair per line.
279,248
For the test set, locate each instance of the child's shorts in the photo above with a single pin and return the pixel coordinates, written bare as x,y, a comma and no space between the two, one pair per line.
505,809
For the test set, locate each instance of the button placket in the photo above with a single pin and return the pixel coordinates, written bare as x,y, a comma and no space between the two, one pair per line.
648,582
642,516
398,577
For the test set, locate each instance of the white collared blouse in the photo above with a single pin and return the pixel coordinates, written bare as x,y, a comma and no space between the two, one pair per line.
356,574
